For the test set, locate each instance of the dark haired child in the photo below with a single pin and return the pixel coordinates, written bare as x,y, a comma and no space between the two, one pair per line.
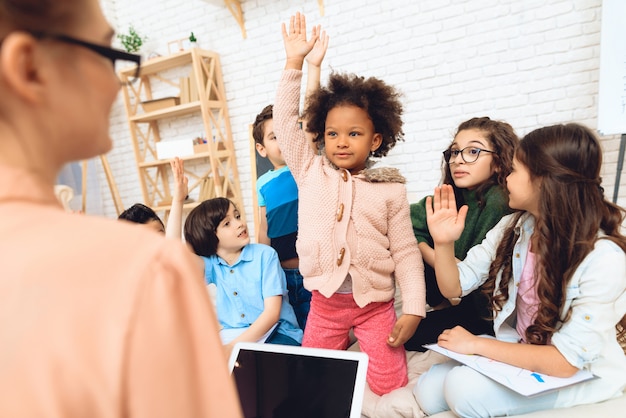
251,289
277,194
354,232
251,292
475,164
142,214
555,276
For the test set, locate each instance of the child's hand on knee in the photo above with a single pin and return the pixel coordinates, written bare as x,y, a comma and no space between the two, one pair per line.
403,330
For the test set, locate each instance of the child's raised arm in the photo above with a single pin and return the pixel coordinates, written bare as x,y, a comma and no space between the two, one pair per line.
296,44
175,220
314,61
314,70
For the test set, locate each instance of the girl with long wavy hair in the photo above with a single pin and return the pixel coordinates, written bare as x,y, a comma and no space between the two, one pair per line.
555,275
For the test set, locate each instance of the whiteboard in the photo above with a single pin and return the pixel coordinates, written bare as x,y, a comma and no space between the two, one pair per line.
612,81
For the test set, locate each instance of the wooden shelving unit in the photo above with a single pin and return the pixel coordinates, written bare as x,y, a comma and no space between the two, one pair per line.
212,168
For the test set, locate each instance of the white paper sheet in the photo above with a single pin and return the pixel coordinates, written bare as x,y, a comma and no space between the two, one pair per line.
525,382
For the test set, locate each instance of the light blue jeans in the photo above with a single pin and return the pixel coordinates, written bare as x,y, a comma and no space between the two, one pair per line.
451,386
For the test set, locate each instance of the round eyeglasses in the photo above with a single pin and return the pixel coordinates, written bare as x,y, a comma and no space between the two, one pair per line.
468,154
125,64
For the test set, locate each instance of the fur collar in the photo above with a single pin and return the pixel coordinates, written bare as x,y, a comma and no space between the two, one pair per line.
383,175
373,174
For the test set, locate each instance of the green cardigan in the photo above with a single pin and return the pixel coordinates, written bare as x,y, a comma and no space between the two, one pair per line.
477,224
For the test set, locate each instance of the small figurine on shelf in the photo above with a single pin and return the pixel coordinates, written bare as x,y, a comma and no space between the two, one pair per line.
199,140
193,42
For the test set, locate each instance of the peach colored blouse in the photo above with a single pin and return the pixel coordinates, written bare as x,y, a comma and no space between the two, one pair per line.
100,318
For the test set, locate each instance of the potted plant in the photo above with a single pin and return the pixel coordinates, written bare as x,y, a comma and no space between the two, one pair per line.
193,42
131,41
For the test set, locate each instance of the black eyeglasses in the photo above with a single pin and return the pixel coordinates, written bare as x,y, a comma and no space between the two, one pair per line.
125,64
468,154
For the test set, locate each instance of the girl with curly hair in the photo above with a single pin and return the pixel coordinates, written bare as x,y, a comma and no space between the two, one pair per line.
555,275
354,229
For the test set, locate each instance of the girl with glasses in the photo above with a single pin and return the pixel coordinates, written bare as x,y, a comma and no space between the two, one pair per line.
476,165
98,318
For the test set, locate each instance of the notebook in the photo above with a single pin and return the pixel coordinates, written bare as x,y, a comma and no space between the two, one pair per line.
524,382
278,381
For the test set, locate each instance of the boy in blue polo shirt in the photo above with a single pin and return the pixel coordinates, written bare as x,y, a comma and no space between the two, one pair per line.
278,212
251,297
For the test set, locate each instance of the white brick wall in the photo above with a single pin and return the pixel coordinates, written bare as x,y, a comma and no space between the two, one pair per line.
527,62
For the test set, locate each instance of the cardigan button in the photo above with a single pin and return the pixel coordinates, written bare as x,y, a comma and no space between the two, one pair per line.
342,252
344,175
340,213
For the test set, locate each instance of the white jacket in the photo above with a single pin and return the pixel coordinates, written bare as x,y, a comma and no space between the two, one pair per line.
596,295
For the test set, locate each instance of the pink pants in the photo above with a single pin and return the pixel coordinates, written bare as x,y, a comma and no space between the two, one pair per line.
328,325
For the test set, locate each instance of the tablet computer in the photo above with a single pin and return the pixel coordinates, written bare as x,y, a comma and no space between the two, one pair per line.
276,381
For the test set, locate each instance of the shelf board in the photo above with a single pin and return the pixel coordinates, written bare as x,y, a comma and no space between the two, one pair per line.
189,205
219,155
170,112
177,59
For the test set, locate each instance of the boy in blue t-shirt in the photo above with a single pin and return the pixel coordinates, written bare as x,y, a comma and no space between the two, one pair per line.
278,212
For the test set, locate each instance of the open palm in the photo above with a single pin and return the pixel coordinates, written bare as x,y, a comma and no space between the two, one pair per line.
316,56
445,222
296,43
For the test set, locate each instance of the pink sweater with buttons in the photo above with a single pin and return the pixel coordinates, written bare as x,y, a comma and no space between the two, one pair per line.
348,224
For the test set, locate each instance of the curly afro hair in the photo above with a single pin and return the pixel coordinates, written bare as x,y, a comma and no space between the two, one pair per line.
379,100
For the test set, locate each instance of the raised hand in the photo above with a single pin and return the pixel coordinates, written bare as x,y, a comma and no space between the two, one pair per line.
316,56
173,228
180,180
296,44
445,222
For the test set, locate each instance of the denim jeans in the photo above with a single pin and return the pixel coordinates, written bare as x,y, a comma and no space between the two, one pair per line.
282,339
299,297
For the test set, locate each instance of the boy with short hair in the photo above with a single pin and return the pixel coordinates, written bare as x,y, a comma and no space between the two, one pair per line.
278,211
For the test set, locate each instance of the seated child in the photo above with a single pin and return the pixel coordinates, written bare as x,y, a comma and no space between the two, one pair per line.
251,287
476,164
278,212
142,214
